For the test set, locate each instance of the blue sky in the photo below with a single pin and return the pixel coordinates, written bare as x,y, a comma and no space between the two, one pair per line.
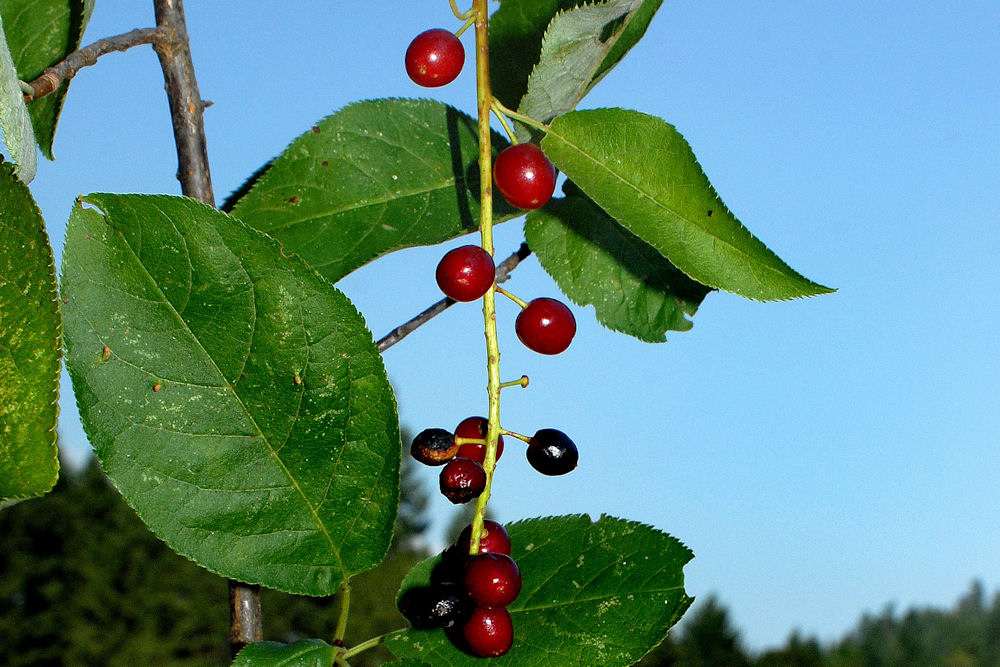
821,457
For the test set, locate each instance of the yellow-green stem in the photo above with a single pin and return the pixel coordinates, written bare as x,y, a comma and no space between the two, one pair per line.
484,98
345,606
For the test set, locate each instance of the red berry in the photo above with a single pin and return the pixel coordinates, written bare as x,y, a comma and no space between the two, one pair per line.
551,452
462,480
466,273
434,58
546,326
494,540
434,447
524,176
489,632
475,427
492,580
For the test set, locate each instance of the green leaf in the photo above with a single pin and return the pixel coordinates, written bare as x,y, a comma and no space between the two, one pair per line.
575,54
375,177
599,593
40,34
579,42
643,173
235,397
15,122
30,345
303,653
593,259
516,31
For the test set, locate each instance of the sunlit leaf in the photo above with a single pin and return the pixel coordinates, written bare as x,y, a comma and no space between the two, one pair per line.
599,593
642,172
375,177
30,345
234,396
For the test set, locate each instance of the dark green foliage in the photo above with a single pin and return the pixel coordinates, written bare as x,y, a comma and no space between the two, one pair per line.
84,582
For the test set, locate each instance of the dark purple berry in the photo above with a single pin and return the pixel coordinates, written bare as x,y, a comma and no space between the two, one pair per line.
551,452
462,480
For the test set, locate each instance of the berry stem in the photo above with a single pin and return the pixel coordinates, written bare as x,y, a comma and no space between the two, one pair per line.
519,301
495,106
484,99
500,109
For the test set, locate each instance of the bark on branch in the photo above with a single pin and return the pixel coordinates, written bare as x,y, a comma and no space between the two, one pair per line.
49,81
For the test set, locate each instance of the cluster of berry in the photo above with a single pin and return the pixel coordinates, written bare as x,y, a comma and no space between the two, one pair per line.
471,598
469,594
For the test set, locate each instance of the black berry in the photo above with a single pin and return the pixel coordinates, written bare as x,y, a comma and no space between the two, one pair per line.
551,452
434,447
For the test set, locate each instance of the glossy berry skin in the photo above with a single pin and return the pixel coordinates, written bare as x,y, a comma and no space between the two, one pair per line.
462,480
524,176
434,447
442,605
434,58
475,427
551,452
466,273
495,541
489,633
546,326
492,580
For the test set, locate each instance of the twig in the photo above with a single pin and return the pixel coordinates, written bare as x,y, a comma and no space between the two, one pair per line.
404,330
186,113
49,81
186,106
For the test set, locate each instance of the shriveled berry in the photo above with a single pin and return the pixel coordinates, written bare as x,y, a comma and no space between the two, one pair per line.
475,427
492,580
551,452
524,176
489,632
434,447
466,273
494,539
462,480
434,58
546,326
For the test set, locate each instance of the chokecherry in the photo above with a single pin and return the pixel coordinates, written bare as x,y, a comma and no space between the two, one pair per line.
492,580
475,427
489,632
434,58
494,539
465,273
551,452
546,326
434,447
524,176
462,480
441,605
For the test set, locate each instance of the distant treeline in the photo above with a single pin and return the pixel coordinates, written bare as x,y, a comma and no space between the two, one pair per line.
83,582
